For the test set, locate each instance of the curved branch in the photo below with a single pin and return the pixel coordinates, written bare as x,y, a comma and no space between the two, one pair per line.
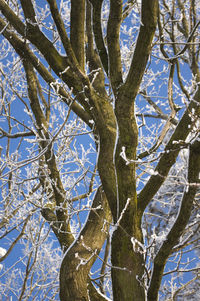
56,226
16,240
96,75
94,294
170,154
127,9
158,142
24,51
103,110
61,30
152,103
65,236
80,257
172,59
142,48
180,80
32,32
180,223
69,72
16,135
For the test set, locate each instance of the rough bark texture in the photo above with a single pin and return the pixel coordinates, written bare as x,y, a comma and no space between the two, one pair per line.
80,257
115,129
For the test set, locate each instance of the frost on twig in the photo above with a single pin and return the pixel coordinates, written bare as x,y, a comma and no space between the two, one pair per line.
128,161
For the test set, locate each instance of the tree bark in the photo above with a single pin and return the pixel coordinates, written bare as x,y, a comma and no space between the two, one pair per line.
79,258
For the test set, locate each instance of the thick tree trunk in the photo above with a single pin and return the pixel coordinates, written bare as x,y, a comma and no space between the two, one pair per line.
79,258
128,268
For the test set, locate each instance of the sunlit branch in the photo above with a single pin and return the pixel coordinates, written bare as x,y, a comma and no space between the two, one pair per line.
58,189
170,154
142,48
69,73
104,264
77,30
178,270
89,159
90,190
180,81
128,7
17,135
180,222
24,51
184,286
15,92
97,28
16,240
186,45
159,140
32,259
62,31
86,247
96,74
152,103
114,53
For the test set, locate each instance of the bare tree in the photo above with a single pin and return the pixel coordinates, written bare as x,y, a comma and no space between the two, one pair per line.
101,149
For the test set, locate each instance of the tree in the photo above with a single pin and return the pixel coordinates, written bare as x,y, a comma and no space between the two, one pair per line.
124,75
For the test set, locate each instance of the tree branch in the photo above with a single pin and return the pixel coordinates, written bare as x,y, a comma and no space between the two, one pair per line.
62,66
79,259
77,30
66,237
180,223
16,135
142,48
98,35
62,31
96,75
170,154
24,51
113,30
16,240
32,32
